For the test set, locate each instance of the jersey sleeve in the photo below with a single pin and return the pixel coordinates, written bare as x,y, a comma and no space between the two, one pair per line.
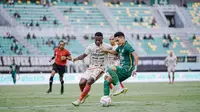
88,50
117,49
55,51
130,49
68,53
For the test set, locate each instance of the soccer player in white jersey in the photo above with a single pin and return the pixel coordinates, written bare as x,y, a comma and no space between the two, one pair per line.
171,62
98,60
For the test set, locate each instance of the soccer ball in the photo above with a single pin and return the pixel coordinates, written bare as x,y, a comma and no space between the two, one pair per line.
105,101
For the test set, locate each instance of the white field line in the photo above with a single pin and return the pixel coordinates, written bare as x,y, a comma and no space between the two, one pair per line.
85,105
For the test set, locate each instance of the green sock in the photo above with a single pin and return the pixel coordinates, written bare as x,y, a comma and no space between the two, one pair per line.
115,79
14,81
106,88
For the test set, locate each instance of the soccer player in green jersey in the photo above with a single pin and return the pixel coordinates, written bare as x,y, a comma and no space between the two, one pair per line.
14,69
128,65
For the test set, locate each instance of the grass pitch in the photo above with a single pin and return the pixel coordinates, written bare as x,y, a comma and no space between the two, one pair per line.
141,97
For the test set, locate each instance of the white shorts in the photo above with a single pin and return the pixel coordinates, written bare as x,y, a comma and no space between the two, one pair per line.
93,72
171,68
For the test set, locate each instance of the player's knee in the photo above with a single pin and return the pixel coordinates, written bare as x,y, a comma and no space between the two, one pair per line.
108,78
82,82
61,79
53,72
112,67
90,81
51,78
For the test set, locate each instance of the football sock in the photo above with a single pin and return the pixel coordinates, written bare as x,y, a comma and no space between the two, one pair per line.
106,88
111,86
85,91
121,85
50,82
82,87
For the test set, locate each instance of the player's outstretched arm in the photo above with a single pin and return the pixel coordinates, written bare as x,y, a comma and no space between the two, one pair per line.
108,50
52,58
81,57
69,58
136,62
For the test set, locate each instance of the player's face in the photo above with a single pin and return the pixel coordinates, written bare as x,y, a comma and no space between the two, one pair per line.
61,45
171,54
120,41
98,40
112,42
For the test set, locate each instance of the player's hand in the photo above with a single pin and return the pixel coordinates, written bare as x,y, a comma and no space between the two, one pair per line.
102,48
74,60
50,60
69,58
134,73
63,58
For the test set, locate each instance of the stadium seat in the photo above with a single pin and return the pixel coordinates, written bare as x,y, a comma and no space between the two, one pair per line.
35,13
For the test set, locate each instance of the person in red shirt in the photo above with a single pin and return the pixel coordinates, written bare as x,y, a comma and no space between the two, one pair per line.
61,56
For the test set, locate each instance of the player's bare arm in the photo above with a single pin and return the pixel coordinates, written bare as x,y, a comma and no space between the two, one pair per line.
81,57
69,58
66,57
108,50
135,62
52,58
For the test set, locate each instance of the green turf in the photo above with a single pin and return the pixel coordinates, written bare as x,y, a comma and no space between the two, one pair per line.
141,97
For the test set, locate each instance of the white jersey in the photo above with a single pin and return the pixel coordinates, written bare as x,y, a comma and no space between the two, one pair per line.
97,57
170,61
112,58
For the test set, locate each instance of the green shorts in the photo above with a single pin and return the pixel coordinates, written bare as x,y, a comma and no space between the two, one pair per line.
123,73
13,74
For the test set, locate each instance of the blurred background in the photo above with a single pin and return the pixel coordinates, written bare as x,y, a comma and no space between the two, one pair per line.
31,29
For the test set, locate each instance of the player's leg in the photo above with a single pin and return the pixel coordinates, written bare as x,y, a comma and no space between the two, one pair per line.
173,72
53,72
107,82
93,76
85,92
62,83
82,84
169,70
123,74
113,72
14,77
61,74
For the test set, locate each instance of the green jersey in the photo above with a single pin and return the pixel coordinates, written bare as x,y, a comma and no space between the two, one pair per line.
13,68
125,54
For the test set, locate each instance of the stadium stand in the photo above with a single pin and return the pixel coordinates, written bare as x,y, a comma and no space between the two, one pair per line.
30,15
193,10
84,15
46,45
10,46
132,16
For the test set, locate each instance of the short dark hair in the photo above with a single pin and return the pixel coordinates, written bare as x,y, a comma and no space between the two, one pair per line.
118,34
61,41
98,34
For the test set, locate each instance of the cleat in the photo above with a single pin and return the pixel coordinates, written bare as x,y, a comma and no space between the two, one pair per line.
85,98
76,103
49,91
62,90
118,92
125,90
